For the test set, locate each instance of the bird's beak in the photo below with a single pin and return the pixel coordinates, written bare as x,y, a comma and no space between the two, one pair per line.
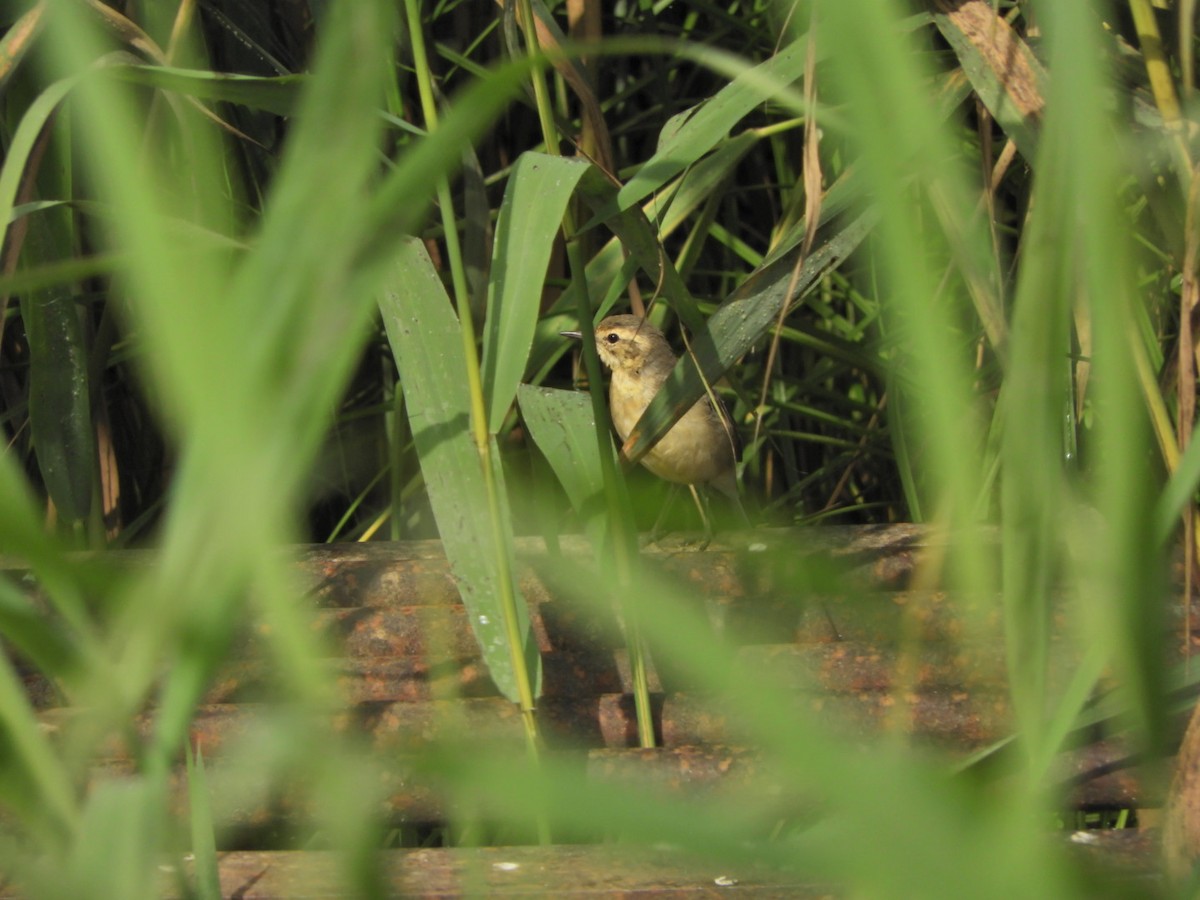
577,335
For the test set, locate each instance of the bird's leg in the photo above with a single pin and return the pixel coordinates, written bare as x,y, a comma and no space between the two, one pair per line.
656,531
708,528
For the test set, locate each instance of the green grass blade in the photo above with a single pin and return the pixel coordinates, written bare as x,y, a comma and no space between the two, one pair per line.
280,94
1034,494
898,128
121,841
48,645
1179,490
534,203
35,784
1123,573
203,831
643,243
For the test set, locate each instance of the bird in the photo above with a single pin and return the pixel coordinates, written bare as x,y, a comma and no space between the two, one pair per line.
699,448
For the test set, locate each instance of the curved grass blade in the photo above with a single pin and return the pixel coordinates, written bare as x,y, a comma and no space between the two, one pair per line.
18,154
692,133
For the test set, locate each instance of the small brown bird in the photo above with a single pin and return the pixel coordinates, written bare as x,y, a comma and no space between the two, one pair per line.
699,447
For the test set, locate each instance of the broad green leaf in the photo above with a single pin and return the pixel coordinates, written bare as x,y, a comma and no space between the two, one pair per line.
60,406
534,203
697,185
59,400
426,340
563,427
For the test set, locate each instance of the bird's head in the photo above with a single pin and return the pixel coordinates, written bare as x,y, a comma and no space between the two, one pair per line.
628,343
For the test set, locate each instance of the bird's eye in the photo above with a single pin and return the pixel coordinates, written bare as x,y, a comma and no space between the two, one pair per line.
613,337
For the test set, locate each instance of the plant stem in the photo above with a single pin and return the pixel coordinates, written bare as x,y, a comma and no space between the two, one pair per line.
619,512
479,428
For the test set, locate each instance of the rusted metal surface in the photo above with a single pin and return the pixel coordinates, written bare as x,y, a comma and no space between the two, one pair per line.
378,574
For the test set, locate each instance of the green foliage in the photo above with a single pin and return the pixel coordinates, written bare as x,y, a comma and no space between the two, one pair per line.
228,329
425,334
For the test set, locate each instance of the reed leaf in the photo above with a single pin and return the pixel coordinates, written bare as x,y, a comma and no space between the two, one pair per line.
425,337
535,200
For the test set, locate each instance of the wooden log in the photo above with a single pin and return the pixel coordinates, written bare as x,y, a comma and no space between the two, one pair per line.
879,657
951,717
383,573
569,871
555,871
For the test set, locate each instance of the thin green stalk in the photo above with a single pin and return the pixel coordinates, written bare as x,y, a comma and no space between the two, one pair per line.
1158,70
479,428
618,504
1187,58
